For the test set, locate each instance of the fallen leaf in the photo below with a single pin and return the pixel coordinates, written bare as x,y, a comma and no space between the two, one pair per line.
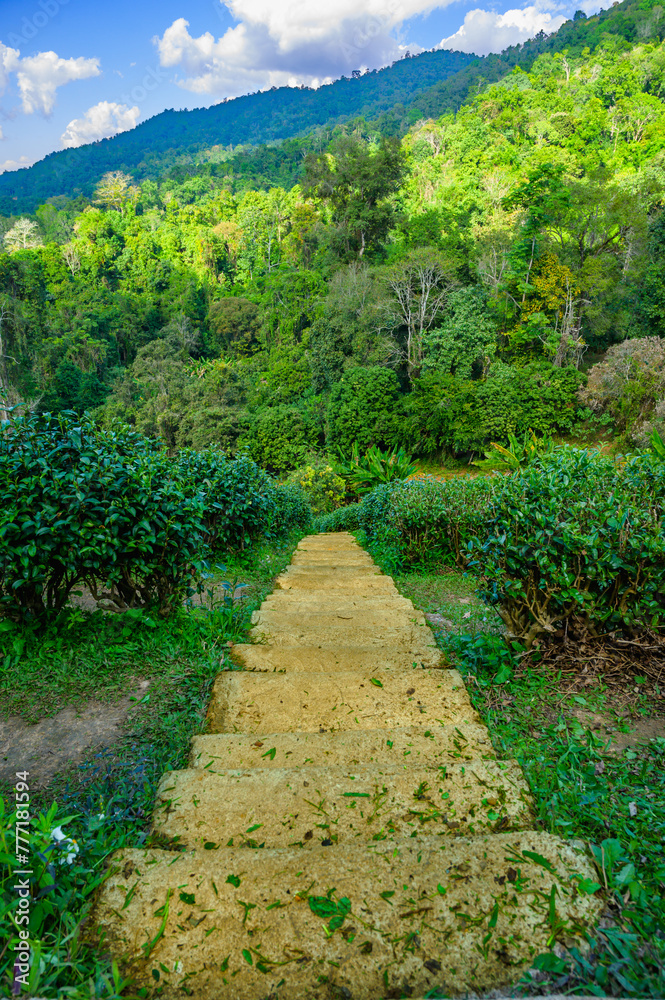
632,808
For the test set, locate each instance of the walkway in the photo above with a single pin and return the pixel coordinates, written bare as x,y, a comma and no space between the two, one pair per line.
348,830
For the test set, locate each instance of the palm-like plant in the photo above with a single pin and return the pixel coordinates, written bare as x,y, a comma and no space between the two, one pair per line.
364,472
518,454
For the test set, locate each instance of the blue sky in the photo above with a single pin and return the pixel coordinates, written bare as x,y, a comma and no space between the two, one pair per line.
72,71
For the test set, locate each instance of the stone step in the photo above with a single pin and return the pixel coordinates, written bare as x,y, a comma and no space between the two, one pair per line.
330,542
332,560
333,583
313,658
319,805
393,620
324,603
414,640
421,748
366,922
308,702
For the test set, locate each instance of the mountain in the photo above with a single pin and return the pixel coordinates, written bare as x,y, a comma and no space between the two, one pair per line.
252,119
423,86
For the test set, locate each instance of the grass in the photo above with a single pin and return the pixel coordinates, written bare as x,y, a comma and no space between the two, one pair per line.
106,803
582,787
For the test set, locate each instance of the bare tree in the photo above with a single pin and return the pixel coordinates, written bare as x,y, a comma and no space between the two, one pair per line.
420,287
24,235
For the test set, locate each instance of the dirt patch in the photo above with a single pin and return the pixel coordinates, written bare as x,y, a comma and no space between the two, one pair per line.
61,740
641,730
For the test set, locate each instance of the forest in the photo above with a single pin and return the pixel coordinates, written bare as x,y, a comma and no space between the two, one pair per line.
435,292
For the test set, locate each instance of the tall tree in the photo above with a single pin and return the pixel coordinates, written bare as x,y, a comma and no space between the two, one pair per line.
356,181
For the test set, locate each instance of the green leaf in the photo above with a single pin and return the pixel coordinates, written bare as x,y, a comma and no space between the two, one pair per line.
376,682
187,897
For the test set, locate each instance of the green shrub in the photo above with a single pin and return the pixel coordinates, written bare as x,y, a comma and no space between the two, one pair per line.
324,489
364,409
343,519
280,437
86,505
425,521
458,415
241,502
573,538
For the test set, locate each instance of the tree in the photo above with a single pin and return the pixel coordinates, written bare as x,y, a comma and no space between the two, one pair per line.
465,343
24,235
234,324
420,287
357,181
115,190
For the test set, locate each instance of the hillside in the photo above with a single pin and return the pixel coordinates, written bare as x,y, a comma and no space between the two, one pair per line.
154,145
392,99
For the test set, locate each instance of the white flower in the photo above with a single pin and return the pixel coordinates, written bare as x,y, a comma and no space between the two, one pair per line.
67,844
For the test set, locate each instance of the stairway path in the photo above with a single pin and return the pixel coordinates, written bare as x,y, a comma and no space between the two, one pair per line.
344,829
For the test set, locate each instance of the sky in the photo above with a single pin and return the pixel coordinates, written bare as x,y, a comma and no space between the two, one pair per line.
74,71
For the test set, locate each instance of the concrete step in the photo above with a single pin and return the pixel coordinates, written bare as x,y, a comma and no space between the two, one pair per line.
308,702
420,748
459,915
313,658
315,805
332,560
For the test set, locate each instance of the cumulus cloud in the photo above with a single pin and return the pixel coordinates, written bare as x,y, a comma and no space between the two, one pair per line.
99,122
23,161
485,31
40,76
8,62
278,44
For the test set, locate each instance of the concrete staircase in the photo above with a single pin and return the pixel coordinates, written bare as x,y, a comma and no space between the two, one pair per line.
347,829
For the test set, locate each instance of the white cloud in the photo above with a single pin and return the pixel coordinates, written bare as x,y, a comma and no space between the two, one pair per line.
23,161
286,44
99,122
485,31
39,77
8,63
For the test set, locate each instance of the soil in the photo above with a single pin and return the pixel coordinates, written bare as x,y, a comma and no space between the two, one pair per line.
605,726
61,740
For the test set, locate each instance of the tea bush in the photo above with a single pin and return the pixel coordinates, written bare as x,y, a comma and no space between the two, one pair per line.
425,521
86,505
109,509
343,519
575,538
242,503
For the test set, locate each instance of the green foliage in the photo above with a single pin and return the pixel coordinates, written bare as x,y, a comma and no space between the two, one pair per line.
357,182
324,489
241,503
458,416
364,472
575,538
426,521
342,519
96,506
466,342
233,324
517,455
363,409
280,437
